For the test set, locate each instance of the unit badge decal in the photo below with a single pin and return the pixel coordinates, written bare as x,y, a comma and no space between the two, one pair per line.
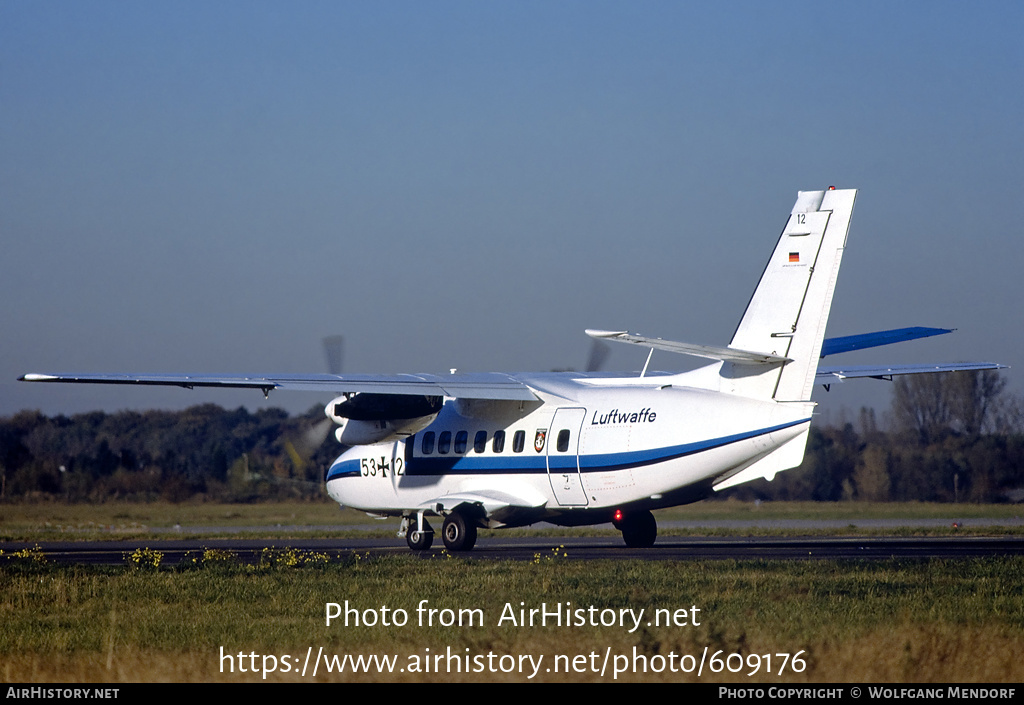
538,440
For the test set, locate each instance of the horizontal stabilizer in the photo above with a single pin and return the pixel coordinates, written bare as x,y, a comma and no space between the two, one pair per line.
708,351
848,343
827,375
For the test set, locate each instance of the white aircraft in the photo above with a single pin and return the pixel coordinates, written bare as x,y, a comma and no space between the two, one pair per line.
504,450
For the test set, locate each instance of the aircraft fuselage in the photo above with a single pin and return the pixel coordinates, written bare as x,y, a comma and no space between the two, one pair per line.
572,458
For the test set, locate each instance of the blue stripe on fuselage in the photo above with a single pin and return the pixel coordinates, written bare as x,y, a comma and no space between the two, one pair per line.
537,464
346,468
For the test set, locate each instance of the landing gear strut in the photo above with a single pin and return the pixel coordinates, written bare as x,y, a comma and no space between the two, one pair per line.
418,533
639,528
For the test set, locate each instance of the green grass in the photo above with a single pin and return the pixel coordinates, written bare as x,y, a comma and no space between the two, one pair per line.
751,511
927,620
39,521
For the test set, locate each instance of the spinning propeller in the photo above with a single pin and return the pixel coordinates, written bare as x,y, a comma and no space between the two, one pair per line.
300,449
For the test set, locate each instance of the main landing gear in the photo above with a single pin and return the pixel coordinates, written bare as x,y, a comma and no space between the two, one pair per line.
639,528
458,532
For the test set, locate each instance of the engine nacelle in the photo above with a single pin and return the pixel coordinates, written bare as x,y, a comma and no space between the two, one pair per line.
363,433
368,418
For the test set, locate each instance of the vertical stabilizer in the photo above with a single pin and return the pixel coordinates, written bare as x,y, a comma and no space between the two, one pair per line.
788,312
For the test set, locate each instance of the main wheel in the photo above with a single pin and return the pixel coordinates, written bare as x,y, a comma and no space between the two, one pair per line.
419,540
458,534
639,529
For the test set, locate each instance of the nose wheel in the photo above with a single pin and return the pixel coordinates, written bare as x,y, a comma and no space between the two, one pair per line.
418,533
420,540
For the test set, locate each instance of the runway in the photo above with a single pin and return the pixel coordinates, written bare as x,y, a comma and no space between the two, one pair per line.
568,548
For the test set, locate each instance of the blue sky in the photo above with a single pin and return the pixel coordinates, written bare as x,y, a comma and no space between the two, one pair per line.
214,187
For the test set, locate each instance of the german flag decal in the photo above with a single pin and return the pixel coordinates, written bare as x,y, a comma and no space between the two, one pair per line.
794,256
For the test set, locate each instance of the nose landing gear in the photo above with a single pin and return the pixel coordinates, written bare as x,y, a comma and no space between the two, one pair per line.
418,533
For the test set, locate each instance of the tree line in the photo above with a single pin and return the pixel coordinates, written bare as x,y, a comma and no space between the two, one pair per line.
204,451
955,437
946,438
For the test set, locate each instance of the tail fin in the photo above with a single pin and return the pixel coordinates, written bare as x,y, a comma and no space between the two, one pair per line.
788,312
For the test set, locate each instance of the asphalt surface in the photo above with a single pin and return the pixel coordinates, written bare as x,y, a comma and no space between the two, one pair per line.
570,548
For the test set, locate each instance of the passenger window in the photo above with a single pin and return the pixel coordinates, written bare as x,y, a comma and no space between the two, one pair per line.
498,444
563,440
480,442
518,441
444,442
428,443
460,442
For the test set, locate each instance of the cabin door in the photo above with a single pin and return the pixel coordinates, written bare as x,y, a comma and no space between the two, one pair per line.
563,444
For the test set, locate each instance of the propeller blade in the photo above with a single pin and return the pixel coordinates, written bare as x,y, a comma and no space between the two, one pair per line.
599,353
302,448
334,348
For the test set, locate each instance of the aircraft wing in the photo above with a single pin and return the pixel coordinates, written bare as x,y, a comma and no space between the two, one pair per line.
828,375
466,386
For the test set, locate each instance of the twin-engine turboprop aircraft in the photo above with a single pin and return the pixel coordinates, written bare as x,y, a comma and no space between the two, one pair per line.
569,448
